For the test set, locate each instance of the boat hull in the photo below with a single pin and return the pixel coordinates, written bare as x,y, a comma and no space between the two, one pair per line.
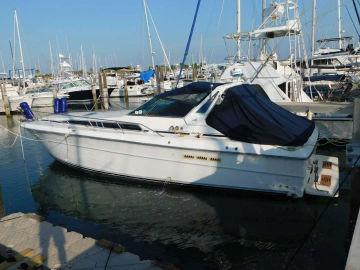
175,165
85,95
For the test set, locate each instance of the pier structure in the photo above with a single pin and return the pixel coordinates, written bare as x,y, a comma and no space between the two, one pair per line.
353,161
27,242
353,148
2,207
353,259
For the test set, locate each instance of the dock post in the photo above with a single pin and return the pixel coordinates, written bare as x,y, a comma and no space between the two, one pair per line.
194,73
126,94
101,88
105,92
356,120
2,207
5,99
353,148
93,90
157,72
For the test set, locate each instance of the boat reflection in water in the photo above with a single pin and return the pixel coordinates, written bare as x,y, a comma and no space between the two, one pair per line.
231,228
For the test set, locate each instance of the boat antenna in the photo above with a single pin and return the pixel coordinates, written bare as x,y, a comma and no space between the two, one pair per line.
188,42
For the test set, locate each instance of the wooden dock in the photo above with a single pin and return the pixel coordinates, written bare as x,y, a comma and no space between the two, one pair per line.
2,207
353,260
27,241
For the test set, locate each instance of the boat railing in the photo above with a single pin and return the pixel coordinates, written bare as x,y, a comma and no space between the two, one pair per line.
99,123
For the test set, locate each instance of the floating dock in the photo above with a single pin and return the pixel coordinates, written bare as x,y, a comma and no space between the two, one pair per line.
27,241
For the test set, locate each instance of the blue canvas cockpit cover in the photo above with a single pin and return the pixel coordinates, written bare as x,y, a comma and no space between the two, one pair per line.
147,75
246,115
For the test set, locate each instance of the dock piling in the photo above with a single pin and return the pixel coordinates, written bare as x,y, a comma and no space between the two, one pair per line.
93,90
105,93
158,77
126,94
356,120
194,72
5,99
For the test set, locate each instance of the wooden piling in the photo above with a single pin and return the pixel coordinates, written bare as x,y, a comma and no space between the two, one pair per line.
356,120
5,99
126,94
93,90
101,88
105,93
158,79
194,73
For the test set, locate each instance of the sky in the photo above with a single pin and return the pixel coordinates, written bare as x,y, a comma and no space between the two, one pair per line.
116,31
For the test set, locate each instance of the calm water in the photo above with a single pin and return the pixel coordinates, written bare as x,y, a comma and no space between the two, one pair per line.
188,228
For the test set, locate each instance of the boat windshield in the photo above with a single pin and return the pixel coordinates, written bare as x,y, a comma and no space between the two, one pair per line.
176,103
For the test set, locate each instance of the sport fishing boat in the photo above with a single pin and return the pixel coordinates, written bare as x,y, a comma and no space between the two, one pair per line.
215,135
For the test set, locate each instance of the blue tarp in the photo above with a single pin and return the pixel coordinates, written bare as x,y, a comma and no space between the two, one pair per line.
147,75
246,115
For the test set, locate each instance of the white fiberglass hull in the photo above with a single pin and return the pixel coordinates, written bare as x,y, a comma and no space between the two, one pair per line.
44,101
164,161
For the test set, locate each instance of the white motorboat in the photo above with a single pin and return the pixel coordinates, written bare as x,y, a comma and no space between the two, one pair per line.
35,97
214,135
42,97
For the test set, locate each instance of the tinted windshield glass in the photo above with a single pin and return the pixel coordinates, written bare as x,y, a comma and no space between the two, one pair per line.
176,103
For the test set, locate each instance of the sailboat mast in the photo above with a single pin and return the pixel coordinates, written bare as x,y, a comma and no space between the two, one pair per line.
83,68
14,51
51,60
158,36
2,62
314,21
201,56
20,46
340,23
149,35
238,29
94,62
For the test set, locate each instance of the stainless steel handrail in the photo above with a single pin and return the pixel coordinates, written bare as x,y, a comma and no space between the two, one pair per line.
118,123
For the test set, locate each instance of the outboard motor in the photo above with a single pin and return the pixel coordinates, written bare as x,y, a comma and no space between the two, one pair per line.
27,112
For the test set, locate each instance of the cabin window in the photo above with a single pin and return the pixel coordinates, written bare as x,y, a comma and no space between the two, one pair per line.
176,103
101,124
206,105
